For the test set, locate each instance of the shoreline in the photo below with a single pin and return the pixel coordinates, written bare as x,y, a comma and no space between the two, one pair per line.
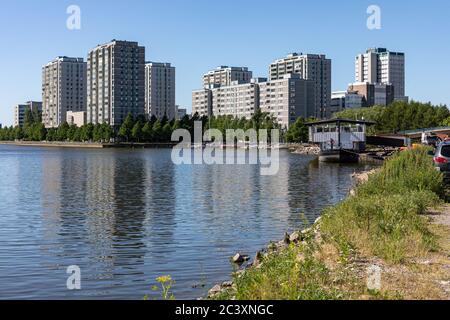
276,247
261,278
88,145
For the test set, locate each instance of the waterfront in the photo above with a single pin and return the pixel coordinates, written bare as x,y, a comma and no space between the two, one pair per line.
126,217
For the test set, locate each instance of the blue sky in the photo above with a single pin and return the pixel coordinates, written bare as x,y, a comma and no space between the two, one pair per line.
198,35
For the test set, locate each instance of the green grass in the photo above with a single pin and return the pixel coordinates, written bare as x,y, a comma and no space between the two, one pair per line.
383,220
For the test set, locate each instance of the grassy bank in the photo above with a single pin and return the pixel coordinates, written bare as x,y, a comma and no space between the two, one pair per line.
383,224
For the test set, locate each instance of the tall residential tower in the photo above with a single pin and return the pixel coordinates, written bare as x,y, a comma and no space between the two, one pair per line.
160,90
225,76
381,66
314,67
63,89
116,82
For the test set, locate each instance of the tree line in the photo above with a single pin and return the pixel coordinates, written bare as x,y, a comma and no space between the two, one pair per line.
400,116
133,130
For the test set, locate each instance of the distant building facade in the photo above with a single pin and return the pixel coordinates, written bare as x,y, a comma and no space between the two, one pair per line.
285,99
76,118
314,67
19,111
225,76
381,66
237,100
288,98
202,102
341,100
160,90
373,94
180,113
116,82
63,89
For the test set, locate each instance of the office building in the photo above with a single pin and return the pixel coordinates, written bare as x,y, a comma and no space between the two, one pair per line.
373,94
316,68
63,89
382,66
116,82
160,90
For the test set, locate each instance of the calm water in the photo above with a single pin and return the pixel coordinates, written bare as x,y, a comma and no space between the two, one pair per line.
126,217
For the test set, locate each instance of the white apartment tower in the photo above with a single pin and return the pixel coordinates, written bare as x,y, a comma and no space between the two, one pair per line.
237,100
116,82
63,89
160,90
202,102
314,67
380,66
225,76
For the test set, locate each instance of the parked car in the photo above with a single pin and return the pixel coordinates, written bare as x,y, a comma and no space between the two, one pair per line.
442,158
430,139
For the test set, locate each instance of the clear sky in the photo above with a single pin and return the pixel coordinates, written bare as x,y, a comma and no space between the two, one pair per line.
199,35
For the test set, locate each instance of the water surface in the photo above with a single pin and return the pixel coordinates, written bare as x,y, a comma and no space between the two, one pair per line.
126,217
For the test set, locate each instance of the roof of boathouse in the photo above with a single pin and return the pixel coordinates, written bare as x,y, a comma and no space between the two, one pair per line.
340,120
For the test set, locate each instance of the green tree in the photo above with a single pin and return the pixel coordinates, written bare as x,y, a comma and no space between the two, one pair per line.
157,131
298,132
126,127
136,132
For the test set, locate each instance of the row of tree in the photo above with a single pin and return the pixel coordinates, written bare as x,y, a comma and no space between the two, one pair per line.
400,116
132,129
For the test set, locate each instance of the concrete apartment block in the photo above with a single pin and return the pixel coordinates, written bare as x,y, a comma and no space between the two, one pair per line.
19,111
202,102
225,76
237,100
116,82
379,65
314,67
63,89
160,90
288,98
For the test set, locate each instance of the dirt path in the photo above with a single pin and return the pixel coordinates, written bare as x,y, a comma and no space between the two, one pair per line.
442,217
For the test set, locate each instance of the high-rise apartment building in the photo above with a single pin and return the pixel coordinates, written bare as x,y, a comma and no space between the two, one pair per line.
237,100
19,111
63,89
202,102
116,82
285,99
382,66
224,76
314,67
288,98
160,90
